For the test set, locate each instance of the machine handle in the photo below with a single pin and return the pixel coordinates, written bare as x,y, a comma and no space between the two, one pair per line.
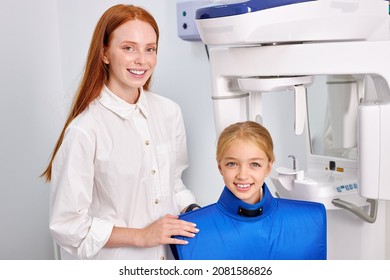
357,211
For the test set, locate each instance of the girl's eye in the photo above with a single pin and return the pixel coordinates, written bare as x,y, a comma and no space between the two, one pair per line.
255,164
230,164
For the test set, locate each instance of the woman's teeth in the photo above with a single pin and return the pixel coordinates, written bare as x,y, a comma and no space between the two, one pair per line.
137,72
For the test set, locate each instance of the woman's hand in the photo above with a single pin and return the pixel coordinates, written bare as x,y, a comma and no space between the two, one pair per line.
158,233
161,231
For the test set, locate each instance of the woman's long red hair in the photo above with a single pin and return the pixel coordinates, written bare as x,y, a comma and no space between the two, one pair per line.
96,71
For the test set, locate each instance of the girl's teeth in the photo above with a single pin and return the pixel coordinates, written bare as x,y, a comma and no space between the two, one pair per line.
243,186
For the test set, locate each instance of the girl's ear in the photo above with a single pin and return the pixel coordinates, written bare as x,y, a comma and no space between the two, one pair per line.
269,168
219,167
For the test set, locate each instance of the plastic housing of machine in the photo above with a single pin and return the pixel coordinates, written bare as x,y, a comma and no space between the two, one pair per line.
271,21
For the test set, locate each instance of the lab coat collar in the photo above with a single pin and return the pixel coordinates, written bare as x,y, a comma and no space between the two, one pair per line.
231,205
120,107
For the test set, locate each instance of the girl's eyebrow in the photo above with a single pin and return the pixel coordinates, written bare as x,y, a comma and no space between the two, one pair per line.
250,159
260,159
229,158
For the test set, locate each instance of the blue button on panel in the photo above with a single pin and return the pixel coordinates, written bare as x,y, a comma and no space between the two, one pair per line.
347,187
243,7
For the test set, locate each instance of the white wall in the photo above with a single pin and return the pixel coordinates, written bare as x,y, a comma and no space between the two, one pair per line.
31,87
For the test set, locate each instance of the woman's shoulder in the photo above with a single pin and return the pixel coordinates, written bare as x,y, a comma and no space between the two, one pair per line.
86,120
157,99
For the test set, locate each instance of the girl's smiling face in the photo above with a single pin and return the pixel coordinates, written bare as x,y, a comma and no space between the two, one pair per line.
244,167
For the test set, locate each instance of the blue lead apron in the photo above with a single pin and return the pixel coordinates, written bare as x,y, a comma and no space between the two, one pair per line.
272,229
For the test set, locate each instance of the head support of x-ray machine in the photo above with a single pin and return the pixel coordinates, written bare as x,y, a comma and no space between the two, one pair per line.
263,46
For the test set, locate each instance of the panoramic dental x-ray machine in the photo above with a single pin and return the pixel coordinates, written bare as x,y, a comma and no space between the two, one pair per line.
266,46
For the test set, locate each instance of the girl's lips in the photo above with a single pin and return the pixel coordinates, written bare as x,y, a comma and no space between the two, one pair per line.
243,187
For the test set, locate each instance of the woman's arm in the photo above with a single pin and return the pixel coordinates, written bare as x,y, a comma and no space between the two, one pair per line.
158,233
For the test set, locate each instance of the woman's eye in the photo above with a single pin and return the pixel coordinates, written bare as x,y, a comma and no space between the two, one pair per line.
129,48
151,50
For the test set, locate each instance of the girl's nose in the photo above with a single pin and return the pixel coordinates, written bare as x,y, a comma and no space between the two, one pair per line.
242,173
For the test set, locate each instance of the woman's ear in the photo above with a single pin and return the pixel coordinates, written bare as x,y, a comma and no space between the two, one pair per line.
104,57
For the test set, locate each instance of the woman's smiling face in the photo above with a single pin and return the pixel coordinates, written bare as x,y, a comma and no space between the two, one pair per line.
131,57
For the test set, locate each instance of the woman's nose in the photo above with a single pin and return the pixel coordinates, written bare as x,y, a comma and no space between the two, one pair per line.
140,58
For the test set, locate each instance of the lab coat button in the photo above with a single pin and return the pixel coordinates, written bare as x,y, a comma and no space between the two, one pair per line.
146,142
157,201
162,258
153,172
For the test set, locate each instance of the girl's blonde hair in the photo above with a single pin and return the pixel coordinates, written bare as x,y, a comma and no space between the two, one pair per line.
249,131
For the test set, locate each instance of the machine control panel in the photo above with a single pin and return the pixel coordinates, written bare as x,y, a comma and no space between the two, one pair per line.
347,187
185,13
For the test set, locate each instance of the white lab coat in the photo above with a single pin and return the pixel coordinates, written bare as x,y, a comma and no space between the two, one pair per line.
120,164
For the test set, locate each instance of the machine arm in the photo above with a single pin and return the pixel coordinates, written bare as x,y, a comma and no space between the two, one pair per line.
370,218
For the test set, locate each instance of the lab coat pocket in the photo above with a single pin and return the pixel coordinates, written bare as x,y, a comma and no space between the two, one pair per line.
165,157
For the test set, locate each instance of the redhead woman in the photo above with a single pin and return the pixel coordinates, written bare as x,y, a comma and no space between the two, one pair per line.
115,172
